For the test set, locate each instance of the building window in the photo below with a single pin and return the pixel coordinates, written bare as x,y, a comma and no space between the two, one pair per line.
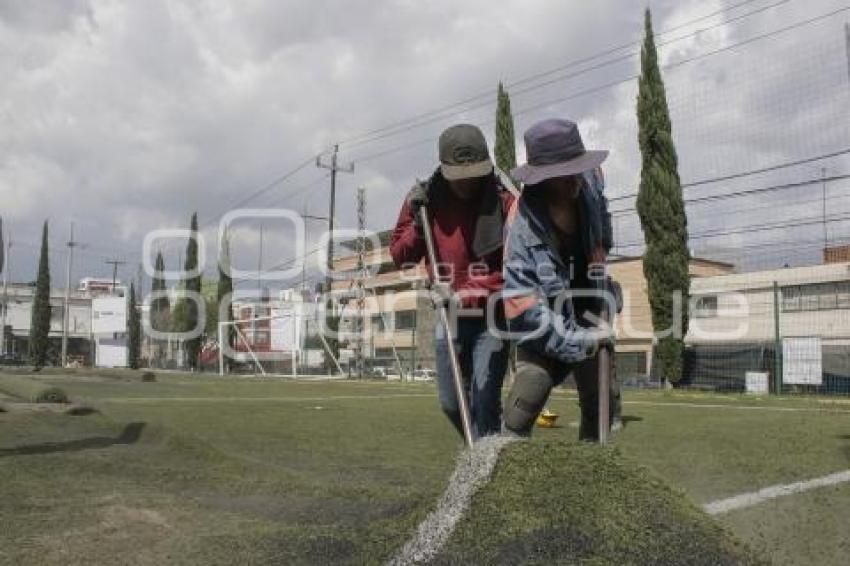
842,295
405,320
827,296
809,297
378,324
816,296
57,314
706,307
790,299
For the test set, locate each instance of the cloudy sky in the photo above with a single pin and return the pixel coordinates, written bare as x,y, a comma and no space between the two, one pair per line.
126,117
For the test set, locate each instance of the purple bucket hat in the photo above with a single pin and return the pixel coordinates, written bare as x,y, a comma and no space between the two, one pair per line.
554,149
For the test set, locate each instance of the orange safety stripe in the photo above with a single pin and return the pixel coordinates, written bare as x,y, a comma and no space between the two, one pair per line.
515,306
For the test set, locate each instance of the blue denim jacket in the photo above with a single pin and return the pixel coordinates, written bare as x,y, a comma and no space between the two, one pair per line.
537,279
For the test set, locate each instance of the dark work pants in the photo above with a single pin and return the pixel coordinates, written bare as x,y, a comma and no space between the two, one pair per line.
483,360
536,375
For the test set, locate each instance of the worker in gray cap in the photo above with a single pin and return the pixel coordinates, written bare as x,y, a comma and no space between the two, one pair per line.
466,206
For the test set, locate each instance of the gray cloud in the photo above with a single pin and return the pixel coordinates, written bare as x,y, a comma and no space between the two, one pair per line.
128,116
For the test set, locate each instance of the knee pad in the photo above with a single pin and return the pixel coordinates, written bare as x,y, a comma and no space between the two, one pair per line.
528,395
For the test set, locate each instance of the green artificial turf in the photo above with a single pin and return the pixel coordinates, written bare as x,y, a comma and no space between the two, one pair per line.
198,469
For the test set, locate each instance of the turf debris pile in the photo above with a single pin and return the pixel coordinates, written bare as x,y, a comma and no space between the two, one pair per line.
31,390
550,501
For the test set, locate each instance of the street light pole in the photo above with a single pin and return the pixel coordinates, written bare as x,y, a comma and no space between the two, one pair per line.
823,199
8,250
66,305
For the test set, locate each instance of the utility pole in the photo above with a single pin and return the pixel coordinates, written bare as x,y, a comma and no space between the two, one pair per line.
114,263
4,265
823,199
66,309
260,266
333,166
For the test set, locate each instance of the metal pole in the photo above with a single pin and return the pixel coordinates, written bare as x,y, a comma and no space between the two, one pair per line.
331,212
250,351
823,199
604,361
444,320
65,306
8,244
334,167
115,263
221,348
777,343
260,266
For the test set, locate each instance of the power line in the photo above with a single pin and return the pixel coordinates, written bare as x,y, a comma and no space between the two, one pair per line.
748,192
298,191
262,190
803,221
360,139
749,172
626,80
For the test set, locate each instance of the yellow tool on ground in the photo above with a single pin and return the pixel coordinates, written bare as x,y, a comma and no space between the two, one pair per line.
546,419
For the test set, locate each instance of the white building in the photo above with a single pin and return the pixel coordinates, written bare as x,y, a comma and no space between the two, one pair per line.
19,316
797,317
812,300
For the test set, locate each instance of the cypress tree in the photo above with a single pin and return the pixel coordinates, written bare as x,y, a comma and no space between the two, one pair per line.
505,149
662,212
40,320
160,307
192,285
134,331
225,288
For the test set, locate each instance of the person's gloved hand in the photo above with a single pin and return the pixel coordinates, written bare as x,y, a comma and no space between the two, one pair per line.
599,339
416,199
441,294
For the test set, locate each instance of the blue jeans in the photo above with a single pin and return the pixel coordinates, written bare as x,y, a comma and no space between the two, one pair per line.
483,360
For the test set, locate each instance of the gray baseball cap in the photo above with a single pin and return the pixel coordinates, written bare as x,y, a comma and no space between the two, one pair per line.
463,153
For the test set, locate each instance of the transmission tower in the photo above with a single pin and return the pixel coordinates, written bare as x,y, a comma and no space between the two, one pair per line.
360,281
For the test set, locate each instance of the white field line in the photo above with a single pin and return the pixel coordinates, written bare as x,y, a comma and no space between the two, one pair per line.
772,492
224,399
736,407
474,467
279,399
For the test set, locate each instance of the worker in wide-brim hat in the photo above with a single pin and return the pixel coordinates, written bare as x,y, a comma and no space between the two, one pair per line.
559,233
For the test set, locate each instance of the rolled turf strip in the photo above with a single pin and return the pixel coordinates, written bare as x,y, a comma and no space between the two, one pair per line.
31,390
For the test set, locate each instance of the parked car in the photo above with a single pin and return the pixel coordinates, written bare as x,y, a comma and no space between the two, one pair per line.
386,373
426,374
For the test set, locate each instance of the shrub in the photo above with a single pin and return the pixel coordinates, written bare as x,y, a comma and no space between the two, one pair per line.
51,395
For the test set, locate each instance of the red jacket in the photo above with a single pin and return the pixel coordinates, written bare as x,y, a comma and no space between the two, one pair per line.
453,227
